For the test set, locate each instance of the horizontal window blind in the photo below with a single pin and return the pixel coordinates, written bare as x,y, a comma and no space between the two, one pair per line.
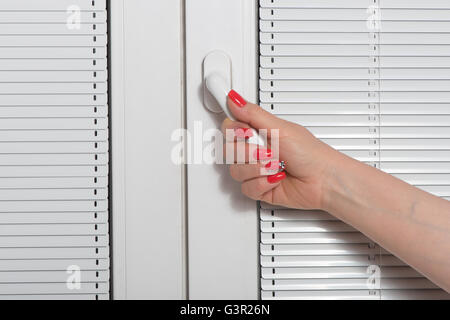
54,233
370,78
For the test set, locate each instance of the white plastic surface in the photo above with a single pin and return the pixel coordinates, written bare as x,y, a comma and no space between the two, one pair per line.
222,226
217,82
147,103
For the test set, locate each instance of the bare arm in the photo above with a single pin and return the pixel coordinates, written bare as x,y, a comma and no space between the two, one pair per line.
410,223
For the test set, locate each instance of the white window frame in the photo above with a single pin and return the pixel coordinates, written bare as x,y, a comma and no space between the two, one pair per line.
148,216
223,227
153,203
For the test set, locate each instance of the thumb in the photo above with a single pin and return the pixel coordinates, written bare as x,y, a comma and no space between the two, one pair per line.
252,114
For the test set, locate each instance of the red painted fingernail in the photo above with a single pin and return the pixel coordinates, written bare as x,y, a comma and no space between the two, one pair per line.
236,98
243,133
273,165
262,154
276,177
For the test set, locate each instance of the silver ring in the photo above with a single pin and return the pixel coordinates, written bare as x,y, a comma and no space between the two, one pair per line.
282,166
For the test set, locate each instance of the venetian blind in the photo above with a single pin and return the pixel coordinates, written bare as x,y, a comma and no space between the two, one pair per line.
54,240
372,79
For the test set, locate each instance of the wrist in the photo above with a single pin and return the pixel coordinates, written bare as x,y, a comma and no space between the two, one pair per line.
334,173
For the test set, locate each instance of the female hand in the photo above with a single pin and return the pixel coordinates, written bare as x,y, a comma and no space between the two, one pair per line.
406,221
306,158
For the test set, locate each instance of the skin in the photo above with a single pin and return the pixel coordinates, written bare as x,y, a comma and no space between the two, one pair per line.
410,223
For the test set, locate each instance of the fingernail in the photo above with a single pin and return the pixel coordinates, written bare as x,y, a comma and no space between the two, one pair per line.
236,98
273,165
243,133
262,154
276,177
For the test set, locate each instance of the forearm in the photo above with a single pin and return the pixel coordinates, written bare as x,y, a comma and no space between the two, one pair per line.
410,223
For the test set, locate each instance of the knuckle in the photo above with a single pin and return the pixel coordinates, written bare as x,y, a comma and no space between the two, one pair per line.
256,111
247,191
253,189
244,188
223,126
260,184
234,172
228,152
227,124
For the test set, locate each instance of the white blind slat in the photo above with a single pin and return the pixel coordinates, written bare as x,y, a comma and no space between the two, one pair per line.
56,217
60,289
361,14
